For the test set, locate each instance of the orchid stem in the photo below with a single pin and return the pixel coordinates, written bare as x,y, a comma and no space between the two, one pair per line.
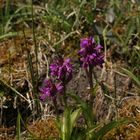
55,106
64,97
90,80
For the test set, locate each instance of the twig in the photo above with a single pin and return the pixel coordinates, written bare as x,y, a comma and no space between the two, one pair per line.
68,35
13,90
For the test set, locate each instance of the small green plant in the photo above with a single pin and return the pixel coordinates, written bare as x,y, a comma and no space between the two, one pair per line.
101,131
93,130
67,124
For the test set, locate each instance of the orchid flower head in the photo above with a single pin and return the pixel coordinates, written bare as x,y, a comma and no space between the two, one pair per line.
90,52
62,69
50,89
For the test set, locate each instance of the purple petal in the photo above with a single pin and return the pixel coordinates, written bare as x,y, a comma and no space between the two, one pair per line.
42,97
92,39
67,61
60,87
98,47
53,67
45,91
92,56
82,51
86,42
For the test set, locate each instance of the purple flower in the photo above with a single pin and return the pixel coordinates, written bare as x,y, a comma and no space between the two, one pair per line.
85,42
62,70
49,89
91,54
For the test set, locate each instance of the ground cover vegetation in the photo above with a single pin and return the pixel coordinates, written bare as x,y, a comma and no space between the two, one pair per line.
70,70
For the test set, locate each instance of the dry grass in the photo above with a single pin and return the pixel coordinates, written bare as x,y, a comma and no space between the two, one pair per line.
44,129
129,108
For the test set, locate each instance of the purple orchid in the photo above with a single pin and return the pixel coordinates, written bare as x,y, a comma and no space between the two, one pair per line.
62,70
49,89
91,54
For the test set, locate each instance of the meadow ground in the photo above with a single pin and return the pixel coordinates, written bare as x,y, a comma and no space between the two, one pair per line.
103,103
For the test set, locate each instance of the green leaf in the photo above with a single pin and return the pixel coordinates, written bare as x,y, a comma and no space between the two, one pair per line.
18,129
92,129
86,110
74,117
130,29
131,75
79,133
67,124
1,94
94,3
99,134
10,34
